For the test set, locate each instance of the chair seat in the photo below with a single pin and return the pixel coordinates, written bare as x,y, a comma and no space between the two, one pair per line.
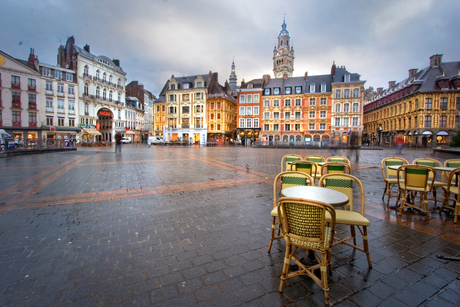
415,189
438,183
349,218
454,190
316,245
392,180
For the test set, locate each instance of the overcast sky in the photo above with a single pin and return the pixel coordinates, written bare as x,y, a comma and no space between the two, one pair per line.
154,39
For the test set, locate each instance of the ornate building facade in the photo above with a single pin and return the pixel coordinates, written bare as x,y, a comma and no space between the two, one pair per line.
283,55
424,107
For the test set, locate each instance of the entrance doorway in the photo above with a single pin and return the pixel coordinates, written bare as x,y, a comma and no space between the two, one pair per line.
105,124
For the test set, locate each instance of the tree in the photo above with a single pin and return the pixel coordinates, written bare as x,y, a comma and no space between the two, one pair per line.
369,94
455,140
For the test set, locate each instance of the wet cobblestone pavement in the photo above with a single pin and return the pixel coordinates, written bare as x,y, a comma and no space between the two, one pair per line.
190,226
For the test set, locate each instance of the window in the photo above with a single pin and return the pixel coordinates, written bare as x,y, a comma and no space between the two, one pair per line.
98,92
249,99
49,102
248,122
266,103
443,103
16,117
49,120
443,121
186,86
311,126
60,121
256,110
172,97
242,99
60,105
312,114
198,108
249,111
287,90
276,127
185,97
287,115
98,75
199,84
298,89
16,97
276,91
323,101
186,123
49,86
337,108
297,115
356,93
312,101
110,96
276,103
346,77
172,110
428,103
287,127
32,83
185,109
198,96
267,91
428,121
276,114
356,107
346,107
337,121
32,117
46,72
355,121
322,114
86,90
87,109
346,121
69,76
242,109
198,122
58,74
298,102
172,87
71,122
287,103
32,98
346,93
312,88
266,127
71,90
323,87
60,88
266,115
256,98
71,106
322,126
297,127
256,123
337,93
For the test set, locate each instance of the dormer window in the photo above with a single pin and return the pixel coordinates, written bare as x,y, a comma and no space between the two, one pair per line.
199,84
312,88
276,91
250,85
323,87
185,86
172,87
298,89
267,91
288,90
346,78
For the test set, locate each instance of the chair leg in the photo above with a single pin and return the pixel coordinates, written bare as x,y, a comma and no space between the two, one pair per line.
366,246
457,207
434,196
285,266
425,201
402,201
353,233
385,191
272,235
323,269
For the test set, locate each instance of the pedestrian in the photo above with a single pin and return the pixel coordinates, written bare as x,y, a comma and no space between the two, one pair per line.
333,146
118,142
353,144
149,142
399,143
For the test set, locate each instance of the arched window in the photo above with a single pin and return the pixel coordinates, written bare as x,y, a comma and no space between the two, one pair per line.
86,90
98,92
119,82
104,77
104,94
110,96
86,71
110,79
98,75
337,108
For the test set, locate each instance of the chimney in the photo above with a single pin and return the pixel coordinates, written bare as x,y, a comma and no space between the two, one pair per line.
333,69
86,47
285,76
391,84
412,72
379,90
435,60
306,75
266,78
210,74
116,62
31,56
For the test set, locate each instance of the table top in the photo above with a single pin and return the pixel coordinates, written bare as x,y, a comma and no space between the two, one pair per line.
438,168
325,195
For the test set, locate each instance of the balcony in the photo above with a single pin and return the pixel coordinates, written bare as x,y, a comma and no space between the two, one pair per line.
49,92
120,87
16,86
71,95
32,106
71,111
61,94
88,76
33,125
60,110
49,109
16,104
32,88
16,124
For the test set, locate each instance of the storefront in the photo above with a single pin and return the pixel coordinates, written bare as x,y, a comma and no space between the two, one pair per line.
89,134
198,136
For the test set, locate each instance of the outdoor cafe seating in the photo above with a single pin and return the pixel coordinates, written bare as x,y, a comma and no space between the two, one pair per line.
453,189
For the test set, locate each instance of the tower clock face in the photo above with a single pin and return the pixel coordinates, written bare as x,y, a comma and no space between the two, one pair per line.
280,74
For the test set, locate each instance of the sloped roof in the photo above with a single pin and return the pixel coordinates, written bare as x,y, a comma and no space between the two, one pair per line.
92,57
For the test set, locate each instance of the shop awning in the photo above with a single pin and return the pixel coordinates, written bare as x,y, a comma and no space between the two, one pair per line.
130,132
426,132
443,133
91,131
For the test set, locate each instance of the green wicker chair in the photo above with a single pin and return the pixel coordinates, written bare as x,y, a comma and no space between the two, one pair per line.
389,176
287,160
335,168
437,184
452,188
339,159
317,159
306,167
304,225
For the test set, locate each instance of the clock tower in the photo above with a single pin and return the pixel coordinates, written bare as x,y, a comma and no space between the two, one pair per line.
283,55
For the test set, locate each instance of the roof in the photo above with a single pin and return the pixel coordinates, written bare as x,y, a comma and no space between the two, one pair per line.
93,57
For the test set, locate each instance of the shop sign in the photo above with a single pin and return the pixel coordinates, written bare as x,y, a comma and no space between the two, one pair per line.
105,113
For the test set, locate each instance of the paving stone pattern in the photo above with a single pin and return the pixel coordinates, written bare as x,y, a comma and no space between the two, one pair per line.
190,226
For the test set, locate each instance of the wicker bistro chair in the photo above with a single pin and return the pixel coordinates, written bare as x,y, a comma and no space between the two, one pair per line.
303,166
339,159
335,168
437,184
304,225
317,159
389,176
282,181
452,163
287,160
344,183
452,188
413,179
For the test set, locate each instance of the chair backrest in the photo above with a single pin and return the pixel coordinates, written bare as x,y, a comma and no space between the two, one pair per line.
303,166
344,183
286,161
453,179
427,162
387,162
317,159
304,221
335,168
339,159
290,179
416,176
452,163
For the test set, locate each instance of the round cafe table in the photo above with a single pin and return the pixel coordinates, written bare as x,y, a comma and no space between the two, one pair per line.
325,195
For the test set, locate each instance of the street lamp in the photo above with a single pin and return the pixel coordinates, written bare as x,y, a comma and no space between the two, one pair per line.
379,134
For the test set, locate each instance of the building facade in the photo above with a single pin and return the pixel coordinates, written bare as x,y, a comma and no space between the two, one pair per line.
20,97
283,55
145,98
221,113
423,107
249,119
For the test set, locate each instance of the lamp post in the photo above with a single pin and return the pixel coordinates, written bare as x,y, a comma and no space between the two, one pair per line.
379,134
